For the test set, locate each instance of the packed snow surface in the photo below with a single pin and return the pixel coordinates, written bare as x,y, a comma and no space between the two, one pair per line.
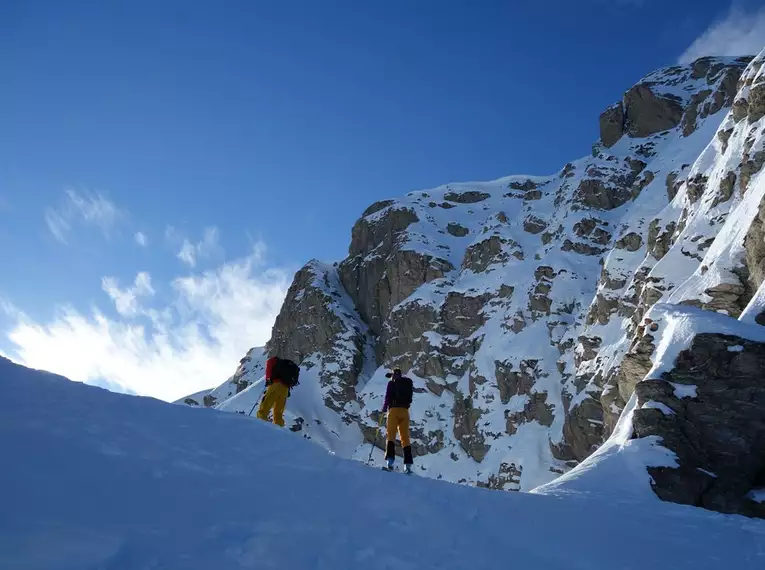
95,480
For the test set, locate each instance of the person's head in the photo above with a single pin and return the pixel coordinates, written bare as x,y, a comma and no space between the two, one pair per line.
396,373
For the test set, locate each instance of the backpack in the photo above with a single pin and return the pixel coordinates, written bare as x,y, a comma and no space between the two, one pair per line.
286,372
401,393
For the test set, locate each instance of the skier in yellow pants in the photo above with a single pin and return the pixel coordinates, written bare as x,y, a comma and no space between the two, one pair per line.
398,398
281,376
275,397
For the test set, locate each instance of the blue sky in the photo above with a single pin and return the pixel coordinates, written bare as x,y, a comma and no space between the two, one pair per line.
166,166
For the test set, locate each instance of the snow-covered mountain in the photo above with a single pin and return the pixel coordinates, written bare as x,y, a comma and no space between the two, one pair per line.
534,312
97,480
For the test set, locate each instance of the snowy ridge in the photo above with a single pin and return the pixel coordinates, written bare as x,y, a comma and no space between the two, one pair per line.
104,480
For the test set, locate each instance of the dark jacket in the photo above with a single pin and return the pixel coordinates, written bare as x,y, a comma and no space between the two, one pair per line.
399,393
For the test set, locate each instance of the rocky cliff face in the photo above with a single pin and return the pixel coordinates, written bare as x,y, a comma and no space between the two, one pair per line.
521,307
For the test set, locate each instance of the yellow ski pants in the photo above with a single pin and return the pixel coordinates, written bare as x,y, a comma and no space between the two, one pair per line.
398,421
275,397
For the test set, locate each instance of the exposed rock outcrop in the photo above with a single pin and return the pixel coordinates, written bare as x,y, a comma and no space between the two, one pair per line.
711,414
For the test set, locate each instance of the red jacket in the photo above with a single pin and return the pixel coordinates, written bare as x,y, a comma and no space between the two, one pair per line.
270,363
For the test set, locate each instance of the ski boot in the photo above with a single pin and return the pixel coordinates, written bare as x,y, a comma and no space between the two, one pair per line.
408,469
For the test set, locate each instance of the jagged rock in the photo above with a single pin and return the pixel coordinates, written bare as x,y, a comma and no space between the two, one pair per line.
583,428
511,383
534,225
537,409
726,297
505,291
404,334
533,195
611,403
726,189
590,347
635,165
595,194
612,125
526,185
717,435
462,314
695,187
581,248
635,365
740,109
756,110
519,323
508,475
480,255
466,430
648,113
611,282
749,167
601,236
540,303
672,185
469,197
376,207
544,272
457,230
378,283
660,241
368,235
692,111
601,310
644,180
190,402
700,67
754,242
585,226
209,401
631,242
724,137
434,386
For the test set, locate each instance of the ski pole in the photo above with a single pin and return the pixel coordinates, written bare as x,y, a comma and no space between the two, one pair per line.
263,395
377,432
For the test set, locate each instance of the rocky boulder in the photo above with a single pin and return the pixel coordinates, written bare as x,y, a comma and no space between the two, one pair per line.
469,197
492,250
648,113
466,418
710,411
583,428
597,194
612,125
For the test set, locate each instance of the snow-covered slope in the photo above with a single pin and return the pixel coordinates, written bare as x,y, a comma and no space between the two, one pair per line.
93,479
522,306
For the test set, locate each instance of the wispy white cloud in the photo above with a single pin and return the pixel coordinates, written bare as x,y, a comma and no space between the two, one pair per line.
85,208
188,253
739,32
209,246
191,342
141,239
126,300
